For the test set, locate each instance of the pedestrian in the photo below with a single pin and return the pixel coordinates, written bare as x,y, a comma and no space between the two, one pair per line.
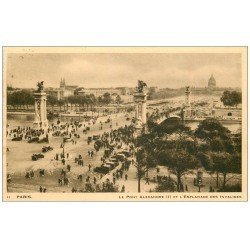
89,167
31,174
147,180
126,177
123,189
68,168
194,181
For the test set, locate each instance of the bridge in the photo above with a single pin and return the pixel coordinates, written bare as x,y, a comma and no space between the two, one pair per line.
161,119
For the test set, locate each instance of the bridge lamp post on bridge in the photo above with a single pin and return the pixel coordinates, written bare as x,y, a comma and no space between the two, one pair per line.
187,112
41,121
187,97
140,99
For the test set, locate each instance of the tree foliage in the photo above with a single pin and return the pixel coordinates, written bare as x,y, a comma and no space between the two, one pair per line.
210,129
22,97
179,163
231,98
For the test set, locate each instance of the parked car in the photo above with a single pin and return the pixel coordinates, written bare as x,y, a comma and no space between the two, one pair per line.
46,149
96,137
17,138
35,157
114,161
65,139
126,153
111,164
120,157
104,169
34,139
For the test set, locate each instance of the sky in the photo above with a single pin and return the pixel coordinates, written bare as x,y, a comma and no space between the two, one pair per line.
91,70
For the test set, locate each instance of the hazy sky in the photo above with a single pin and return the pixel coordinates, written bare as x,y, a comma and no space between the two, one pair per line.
165,70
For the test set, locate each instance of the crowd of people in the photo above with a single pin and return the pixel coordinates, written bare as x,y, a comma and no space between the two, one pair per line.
103,146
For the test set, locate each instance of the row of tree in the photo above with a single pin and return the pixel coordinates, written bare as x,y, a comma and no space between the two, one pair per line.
26,97
172,144
19,98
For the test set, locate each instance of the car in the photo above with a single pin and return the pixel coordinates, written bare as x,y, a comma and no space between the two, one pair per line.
126,153
114,158
65,139
120,157
35,157
46,149
17,138
114,161
96,137
34,139
111,164
104,169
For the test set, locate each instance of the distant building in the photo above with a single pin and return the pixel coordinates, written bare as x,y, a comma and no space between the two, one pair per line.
98,91
67,89
124,90
63,91
211,82
57,93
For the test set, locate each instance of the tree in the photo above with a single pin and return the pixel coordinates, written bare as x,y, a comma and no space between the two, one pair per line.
118,99
19,98
221,163
52,100
210,129
106,98
217,137
144,161
140,166
151,92
225,163
179,163
151,124
90,101
231,98
60,103
171,125
166,184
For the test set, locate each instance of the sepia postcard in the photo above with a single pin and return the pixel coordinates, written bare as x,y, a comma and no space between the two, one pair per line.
124,124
